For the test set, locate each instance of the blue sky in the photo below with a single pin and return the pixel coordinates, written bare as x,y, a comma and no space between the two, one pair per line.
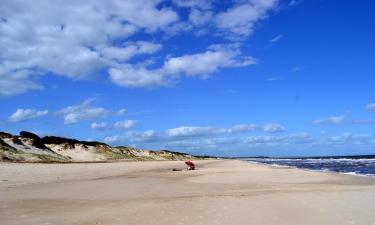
233,78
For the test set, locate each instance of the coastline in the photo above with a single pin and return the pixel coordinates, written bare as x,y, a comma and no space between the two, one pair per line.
219,192
311,170
326,168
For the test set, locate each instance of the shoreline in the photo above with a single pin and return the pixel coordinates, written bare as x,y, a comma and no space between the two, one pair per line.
312,170
243,160
149,192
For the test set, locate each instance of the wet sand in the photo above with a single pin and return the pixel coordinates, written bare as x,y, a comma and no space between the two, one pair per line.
219,192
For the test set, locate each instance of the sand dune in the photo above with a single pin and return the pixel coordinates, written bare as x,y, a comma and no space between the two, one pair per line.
29,147
220,192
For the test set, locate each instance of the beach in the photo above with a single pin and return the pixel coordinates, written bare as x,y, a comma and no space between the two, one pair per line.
218,192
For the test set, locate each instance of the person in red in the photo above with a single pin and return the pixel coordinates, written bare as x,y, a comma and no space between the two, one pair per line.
190,164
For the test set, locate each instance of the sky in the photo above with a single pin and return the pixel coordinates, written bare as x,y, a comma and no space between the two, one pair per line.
226,78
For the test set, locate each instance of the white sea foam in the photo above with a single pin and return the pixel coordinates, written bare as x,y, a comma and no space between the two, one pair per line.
357,167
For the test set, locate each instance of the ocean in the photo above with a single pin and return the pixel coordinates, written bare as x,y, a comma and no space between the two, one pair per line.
355,166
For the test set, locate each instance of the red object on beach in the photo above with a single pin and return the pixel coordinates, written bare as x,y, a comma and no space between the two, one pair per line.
190,164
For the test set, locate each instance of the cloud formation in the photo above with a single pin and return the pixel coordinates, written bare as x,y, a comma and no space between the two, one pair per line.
352,139
276,39
122,112
244,145
71,39
14,82
200,65
129,50
190,132
80,39
26,114
272,79
208,131
193,4
83,111
124,124
294,140
333,120
99,126
240,19
296,69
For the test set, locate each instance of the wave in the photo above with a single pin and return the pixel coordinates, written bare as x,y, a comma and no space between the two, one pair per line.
362,167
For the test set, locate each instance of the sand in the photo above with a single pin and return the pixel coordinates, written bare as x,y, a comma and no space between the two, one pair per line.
219,192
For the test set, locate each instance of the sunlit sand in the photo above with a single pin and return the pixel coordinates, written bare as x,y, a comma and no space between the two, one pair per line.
218,192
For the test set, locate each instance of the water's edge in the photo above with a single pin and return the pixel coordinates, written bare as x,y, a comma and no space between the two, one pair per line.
355,167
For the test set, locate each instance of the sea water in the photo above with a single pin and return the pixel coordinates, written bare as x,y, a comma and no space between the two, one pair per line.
358,166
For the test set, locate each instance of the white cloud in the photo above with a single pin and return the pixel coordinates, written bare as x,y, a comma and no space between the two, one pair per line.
122,112
276,39
200,65
240,144
219,144
144,13
16,81
10,85
26,114
352,139
66,38
149,133
99,126
235,22
196,132
271,140
84,111
294,2
125,124
113,139
271,79
200,17
371,106
333,120
192,131
240,19
131,76
295,69
205,4
203,64
210,143
129,50
81,39
222,141
273,128
242,128
208,131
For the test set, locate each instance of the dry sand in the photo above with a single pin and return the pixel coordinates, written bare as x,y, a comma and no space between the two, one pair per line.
220,192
